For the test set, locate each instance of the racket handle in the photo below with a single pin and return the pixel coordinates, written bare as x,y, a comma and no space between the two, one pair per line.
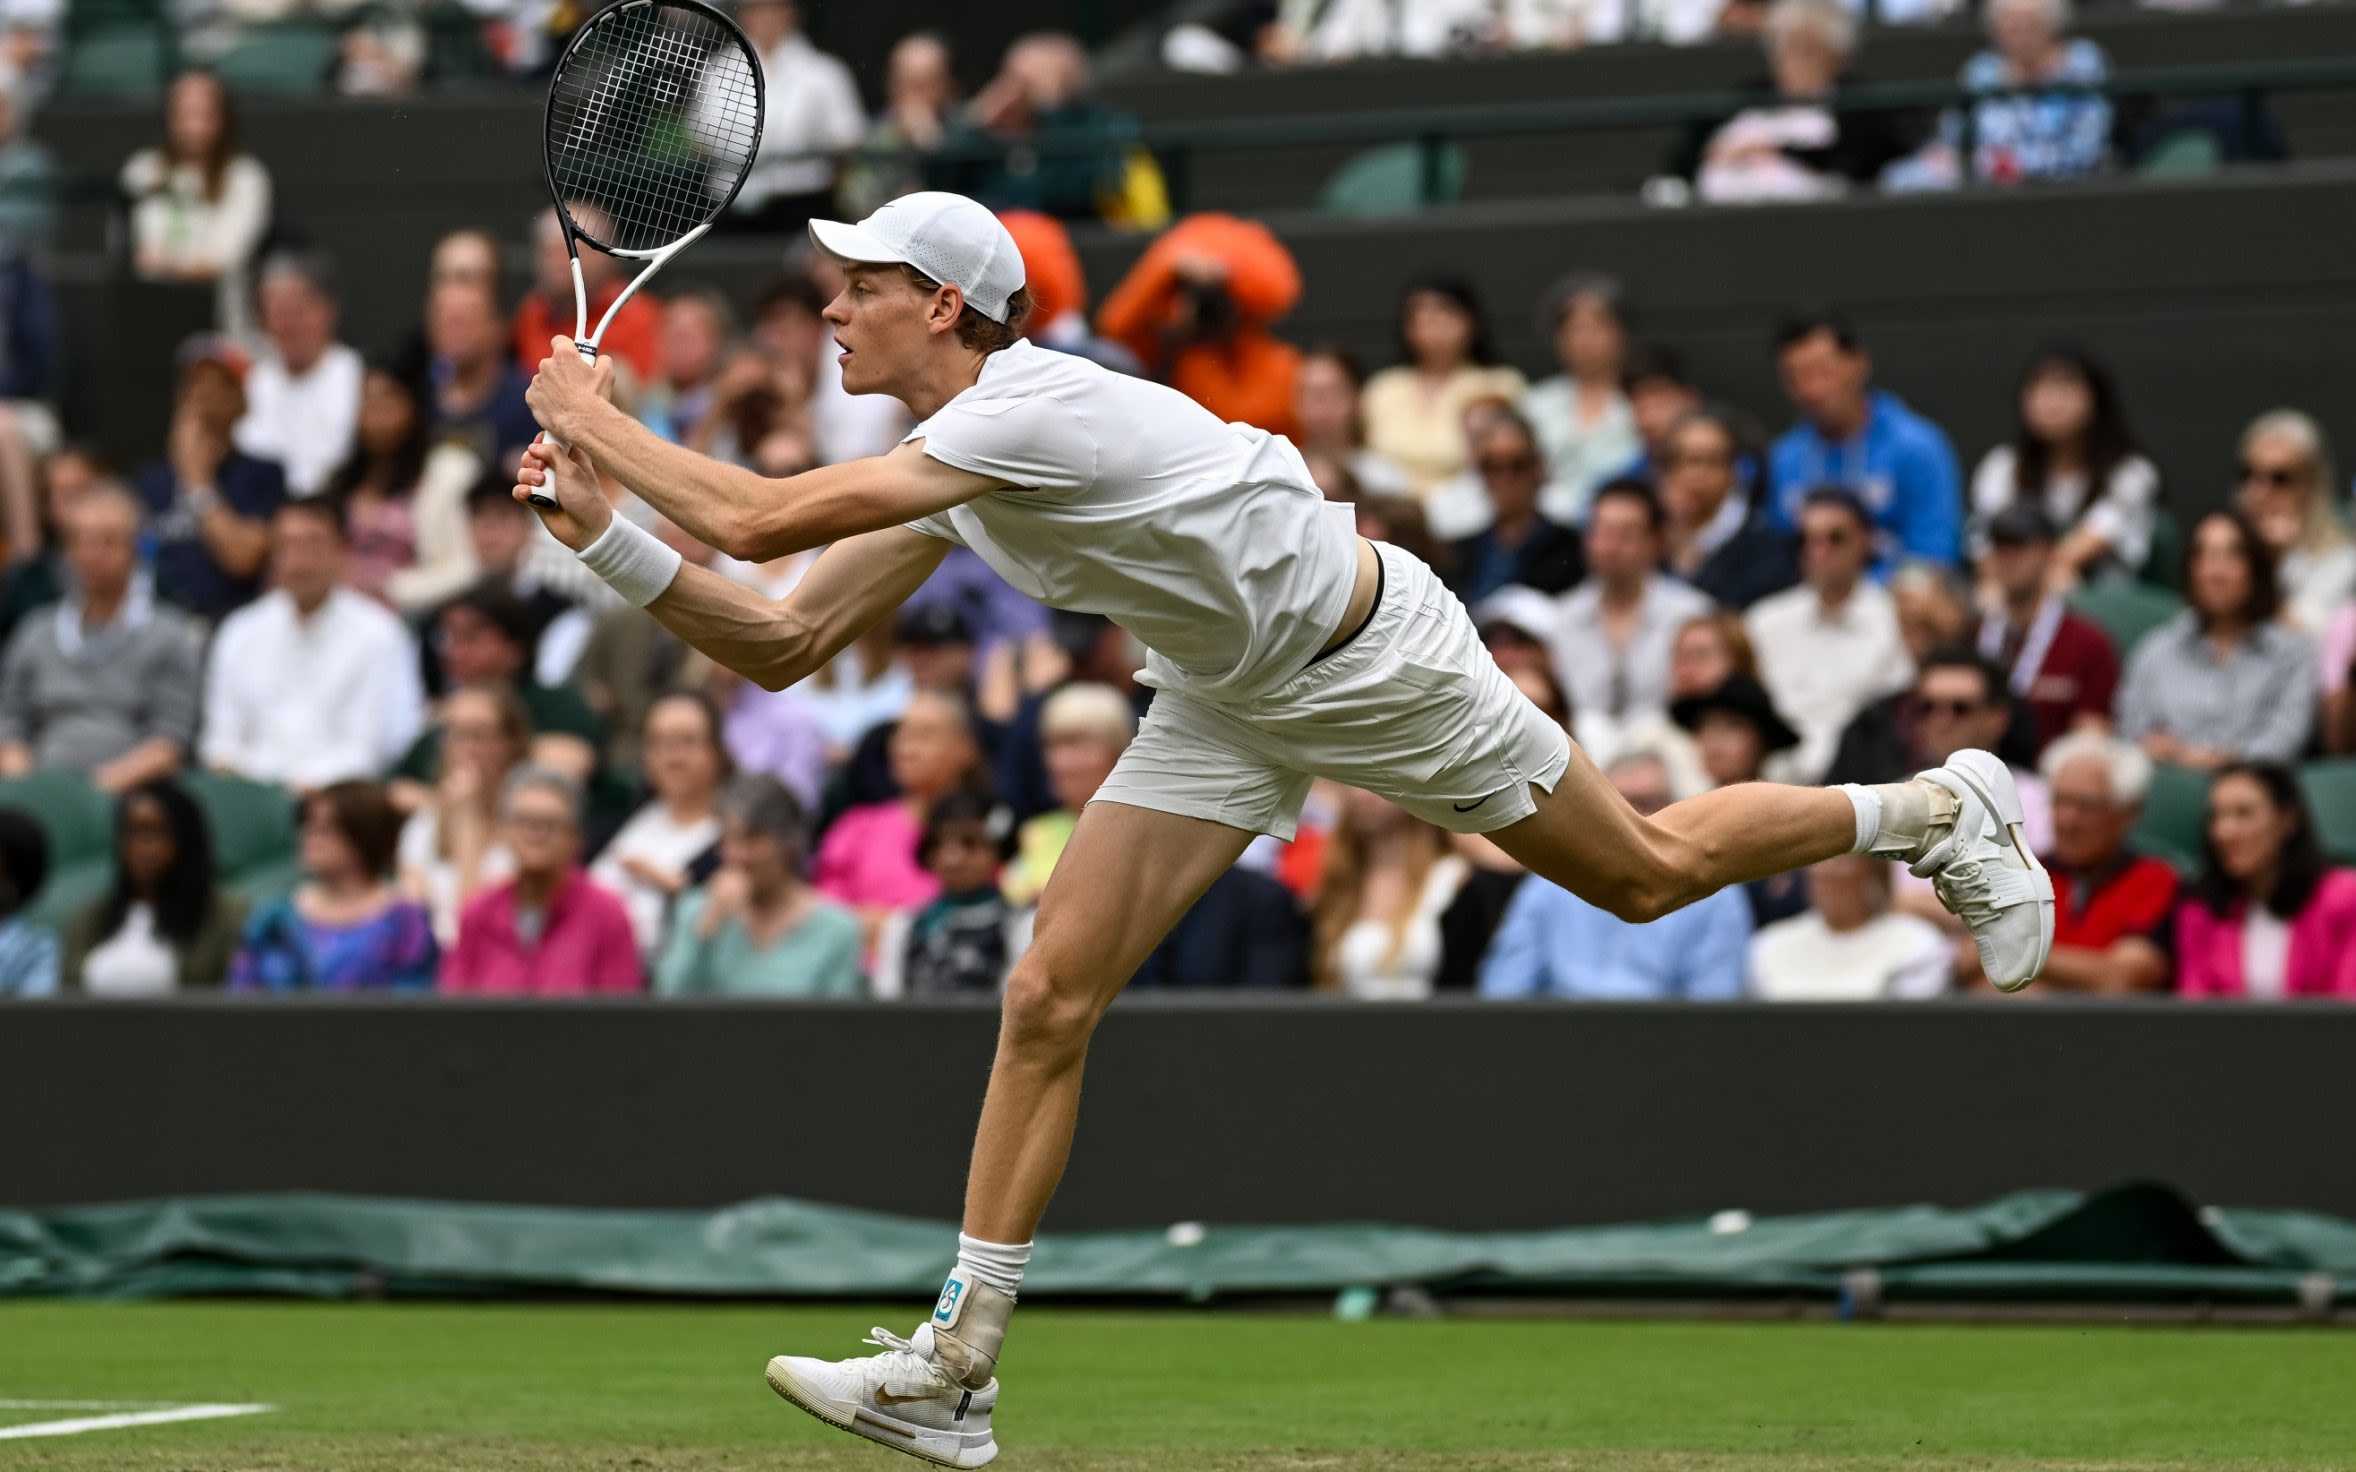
541,499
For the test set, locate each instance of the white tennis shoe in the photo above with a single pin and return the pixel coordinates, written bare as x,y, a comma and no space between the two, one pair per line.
903,1398
1983,871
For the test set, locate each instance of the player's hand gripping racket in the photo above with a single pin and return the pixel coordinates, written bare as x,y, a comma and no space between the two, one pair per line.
654,118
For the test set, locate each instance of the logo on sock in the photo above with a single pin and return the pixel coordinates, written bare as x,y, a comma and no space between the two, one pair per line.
945,1312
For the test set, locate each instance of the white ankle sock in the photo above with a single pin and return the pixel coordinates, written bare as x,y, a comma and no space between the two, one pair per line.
1868,804
999,1264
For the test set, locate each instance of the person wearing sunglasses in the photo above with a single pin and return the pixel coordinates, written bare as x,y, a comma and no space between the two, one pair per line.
1521,543
2225,680
2285,484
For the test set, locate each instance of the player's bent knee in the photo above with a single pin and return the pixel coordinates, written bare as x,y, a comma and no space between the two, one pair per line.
1045,1014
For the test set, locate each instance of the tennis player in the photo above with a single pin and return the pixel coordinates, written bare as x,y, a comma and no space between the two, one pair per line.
1282,646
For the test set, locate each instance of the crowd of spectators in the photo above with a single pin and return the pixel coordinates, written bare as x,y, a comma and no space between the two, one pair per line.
500,779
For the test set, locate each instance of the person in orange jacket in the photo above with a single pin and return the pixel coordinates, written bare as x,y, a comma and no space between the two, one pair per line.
1059,292
1196,308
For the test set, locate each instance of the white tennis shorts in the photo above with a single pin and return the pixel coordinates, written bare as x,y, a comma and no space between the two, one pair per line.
1413,709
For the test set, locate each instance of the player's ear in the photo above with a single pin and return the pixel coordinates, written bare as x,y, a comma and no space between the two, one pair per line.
948,304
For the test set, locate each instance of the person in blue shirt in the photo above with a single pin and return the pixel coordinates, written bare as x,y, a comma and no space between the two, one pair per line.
1554,944
209,503
1864,440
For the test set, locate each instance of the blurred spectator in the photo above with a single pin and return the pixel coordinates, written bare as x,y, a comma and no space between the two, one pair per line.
690,349
1083,729
655,856
303,393
505,558
1327,421
1414,412
1958,701
1388,877
813,114
2072,454
30,180
382,53
935,645
451,846
868,859
30,338
484,638
1517,627
2060,664
1034,138
199,202
1611,647
467,255
209,503
404,500
755,928
2290,492
312,682
1059,292
549,930
1736,729
105,682
1246,933
548,308
37,575
163,924
1522,545
1580,414
1797,146
1660,393
1196,310
1934,608
1898,464
631,661
1830,646
1709,650
2224,680
28,953
478,392
1717,539
2111,906
1554,944
920,101
966,937
1458,507
2268,918
345,927
1850,946
2021,134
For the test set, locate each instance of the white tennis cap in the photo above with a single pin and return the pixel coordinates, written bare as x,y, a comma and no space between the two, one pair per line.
948,237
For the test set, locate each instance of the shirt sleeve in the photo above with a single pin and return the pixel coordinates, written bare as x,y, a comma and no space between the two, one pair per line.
1036,443
936,525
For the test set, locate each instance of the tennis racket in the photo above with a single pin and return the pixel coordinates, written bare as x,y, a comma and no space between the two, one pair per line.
654,119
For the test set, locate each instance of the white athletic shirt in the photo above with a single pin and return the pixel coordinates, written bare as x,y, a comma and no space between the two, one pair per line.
1208,541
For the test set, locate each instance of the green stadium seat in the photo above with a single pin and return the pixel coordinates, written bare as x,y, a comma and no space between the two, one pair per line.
78,818
292,58
2331,797
116,61
2174,813
1389,180
253,824
2163,565
2126,611
69,890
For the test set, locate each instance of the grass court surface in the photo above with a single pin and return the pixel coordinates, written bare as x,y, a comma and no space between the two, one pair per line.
378,1387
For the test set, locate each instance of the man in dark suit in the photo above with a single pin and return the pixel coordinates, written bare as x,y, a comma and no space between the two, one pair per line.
1520,546
1718,540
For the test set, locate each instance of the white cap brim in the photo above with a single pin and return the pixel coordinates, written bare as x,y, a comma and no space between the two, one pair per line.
848,242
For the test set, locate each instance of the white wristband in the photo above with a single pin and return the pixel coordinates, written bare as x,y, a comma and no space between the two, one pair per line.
632,562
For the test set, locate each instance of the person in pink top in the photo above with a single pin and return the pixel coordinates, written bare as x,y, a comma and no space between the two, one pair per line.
868,858
549,930
2268,918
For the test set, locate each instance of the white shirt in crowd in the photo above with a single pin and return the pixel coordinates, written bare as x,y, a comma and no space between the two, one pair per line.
2122,513
303,702
1627,686
172,218
1822,666
812,107
132,962
303,421
1377,964
419,857
1208,541
653,836
2265,955
1892,955
2315,582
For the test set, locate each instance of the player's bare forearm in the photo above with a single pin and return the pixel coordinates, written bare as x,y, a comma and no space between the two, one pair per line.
855,582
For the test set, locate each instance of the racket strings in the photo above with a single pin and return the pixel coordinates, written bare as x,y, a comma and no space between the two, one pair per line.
653,121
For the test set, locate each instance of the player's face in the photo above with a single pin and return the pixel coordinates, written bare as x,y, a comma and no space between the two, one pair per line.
881,324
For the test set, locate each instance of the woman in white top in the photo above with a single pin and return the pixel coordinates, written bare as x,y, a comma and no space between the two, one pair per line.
163,924
1582,419
451,847
2289,490
199,203
651,860
2073,454
1388,878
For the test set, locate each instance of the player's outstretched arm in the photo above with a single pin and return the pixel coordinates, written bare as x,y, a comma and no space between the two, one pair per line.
854,583
741,513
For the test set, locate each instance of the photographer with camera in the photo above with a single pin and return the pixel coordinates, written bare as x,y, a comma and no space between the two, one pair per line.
1195,310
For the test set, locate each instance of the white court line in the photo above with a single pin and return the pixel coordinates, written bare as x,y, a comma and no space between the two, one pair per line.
129,1418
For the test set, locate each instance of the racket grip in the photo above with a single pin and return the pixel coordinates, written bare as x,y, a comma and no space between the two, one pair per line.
541,499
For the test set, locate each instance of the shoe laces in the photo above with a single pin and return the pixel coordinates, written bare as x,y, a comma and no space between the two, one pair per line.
1964,886
901,1363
